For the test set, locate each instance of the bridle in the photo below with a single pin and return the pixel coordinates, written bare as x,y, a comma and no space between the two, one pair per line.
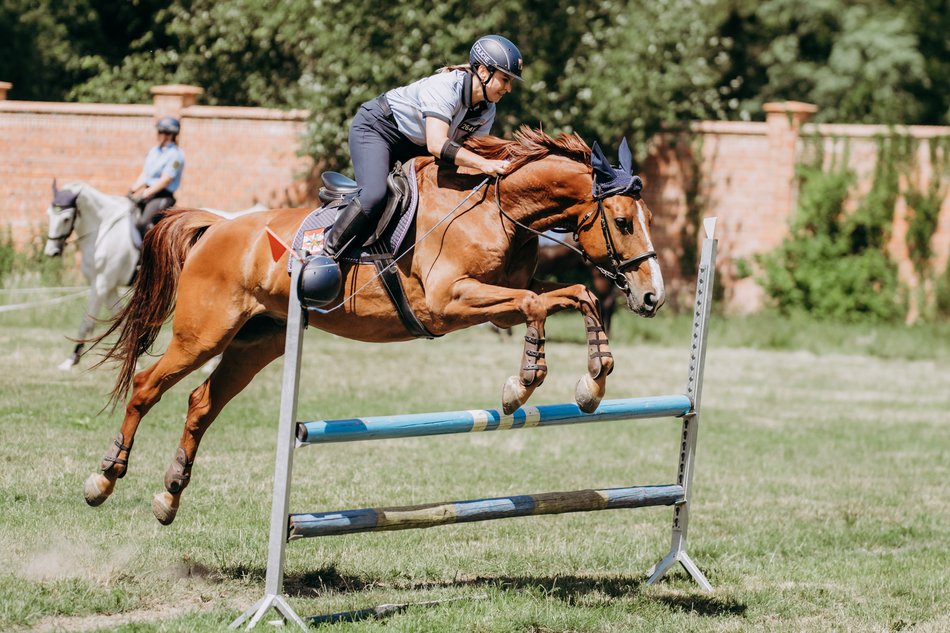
72,223
619,266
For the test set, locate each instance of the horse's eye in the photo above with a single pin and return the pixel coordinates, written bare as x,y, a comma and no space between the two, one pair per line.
624,225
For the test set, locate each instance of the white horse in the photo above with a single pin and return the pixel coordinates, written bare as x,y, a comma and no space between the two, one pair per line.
103,228
107,241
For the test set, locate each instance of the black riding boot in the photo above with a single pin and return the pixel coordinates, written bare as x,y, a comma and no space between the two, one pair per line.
348,226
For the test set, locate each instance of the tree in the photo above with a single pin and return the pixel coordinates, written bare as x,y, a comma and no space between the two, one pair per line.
859,62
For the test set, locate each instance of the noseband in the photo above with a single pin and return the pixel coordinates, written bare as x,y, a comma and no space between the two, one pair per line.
619,266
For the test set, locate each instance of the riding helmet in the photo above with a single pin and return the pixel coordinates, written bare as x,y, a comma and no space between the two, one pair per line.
497,52
169,125
320,282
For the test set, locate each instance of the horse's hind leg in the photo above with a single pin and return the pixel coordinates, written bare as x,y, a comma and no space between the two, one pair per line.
148,386
147,389
260,342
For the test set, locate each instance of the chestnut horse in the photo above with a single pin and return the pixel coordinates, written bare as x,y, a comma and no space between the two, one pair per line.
474,264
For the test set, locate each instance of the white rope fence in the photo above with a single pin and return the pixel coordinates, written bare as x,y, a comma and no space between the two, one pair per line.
79,292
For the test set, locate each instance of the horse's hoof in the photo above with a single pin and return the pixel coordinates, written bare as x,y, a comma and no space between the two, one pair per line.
164,507
66,365
513,395
588,394
97,489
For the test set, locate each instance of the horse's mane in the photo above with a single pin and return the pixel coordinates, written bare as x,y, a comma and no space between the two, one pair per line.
529,145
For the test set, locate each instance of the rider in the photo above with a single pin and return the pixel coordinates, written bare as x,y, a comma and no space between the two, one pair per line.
433,116
154,190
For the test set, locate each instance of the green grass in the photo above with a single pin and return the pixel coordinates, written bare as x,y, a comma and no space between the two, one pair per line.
821,498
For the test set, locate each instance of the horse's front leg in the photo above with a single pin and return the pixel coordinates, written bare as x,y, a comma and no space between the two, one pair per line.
592,386
469,302
93,304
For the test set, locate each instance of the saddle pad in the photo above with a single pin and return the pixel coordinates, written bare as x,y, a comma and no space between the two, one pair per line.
309,237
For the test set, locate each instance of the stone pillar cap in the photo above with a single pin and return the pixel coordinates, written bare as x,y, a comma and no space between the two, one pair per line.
795,107
176,89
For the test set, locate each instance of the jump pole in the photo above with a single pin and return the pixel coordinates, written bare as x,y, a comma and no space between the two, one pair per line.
291,434
694,390
283,469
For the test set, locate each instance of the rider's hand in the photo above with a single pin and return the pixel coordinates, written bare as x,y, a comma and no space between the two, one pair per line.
495,167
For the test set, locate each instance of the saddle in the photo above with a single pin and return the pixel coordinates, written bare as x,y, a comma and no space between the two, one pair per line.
338,190
384,242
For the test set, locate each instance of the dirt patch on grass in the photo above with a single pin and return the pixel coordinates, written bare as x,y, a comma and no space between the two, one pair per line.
97,622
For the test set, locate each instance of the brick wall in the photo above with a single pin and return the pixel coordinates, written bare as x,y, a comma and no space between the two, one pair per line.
744,173
234,157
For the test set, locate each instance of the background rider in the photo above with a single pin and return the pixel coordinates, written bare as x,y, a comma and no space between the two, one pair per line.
154,190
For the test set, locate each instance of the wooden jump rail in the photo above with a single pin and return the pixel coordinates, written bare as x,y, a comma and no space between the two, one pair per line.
421,424
292,434
430,515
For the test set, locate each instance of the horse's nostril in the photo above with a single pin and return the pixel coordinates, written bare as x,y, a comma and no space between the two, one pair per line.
649,299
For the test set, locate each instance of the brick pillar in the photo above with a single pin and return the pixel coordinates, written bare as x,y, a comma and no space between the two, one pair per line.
172,99
4,87
783,126
784,121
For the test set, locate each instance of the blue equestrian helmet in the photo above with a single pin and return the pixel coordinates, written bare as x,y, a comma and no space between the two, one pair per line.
497,53
169,125
320,282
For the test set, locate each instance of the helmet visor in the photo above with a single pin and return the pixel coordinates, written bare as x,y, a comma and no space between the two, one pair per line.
510,73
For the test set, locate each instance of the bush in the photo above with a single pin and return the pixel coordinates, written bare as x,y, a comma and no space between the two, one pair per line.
31,264
834,265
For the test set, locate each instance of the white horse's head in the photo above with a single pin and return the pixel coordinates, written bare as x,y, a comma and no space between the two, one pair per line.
63,213
79,208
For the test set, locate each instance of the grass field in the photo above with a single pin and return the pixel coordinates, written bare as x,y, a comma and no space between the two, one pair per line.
821,500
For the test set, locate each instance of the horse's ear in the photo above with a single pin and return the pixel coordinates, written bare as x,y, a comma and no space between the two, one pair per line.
602,170
626,157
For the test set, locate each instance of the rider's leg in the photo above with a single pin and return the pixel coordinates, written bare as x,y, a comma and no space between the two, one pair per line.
372,140
153,212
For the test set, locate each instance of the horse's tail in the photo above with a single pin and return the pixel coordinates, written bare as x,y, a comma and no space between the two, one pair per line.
153,294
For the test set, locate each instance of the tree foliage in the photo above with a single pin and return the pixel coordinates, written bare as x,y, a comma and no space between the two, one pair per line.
604,68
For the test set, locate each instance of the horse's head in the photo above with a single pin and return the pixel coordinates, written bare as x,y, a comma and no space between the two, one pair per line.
568,185
614,231
62,213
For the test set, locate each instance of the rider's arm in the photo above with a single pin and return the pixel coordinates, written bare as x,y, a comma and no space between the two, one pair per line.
437,134
160,184
139,183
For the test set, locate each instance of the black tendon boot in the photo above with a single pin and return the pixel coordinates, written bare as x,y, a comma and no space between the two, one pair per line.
348,226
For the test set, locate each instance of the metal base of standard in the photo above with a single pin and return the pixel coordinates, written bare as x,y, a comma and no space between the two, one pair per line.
657,571
263,606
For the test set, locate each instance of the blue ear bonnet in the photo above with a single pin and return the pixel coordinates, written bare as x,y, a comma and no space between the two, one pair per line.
613,181
64,198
